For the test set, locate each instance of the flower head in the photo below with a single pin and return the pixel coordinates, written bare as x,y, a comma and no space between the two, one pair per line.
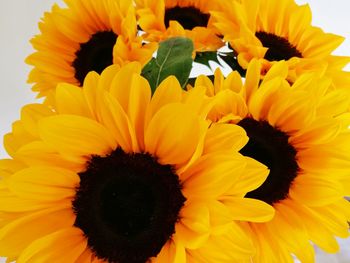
82,37
164,19
110,169
301,133
276,30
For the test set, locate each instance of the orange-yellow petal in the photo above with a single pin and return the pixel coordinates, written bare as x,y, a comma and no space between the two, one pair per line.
66,245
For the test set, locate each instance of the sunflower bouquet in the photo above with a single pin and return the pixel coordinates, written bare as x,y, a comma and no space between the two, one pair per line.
132,159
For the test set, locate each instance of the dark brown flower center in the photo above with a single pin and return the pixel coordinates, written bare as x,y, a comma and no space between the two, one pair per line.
127,205
270,146
279,48
94,55
189,17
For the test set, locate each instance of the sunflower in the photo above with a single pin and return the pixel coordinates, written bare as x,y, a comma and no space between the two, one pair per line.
277,30
113,175
166,18
85,36
301,133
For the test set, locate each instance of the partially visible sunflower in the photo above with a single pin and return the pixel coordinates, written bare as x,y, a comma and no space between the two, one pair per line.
189,18
113,175
301,133
88,35
275,30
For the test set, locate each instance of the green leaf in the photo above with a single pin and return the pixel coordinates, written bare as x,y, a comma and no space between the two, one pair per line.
174,57
205,57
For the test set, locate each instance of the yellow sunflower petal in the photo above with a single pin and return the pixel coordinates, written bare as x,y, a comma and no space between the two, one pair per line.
18,234
76,136
320,191
118,123
70,100
254,176
67,245
293,112
30,116
92,90
37,153
193,229
333,220
263,98
134,98
322,131
86,257
253,78
168,91
287,223
280,69
220,218
248,209
334,103
173,134
172,252
225,137
9,202
228,103
8,167
121,86
140,96
18,137
234,246
44,183
212,175
196,100
321,236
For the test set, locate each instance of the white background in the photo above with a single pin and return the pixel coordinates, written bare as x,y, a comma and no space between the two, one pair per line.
18,23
